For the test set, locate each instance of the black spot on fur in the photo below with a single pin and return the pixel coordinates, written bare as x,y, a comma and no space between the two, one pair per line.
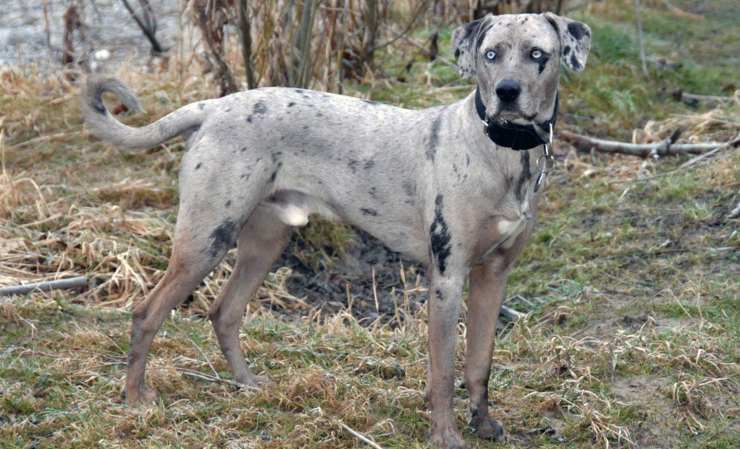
259,108
352,164
577,30
304,127
276,155
373,192
368,211
566,50
223,238
198,165
275,172
243,149
244,176
369,164
542,63
319,114
291,104
574,62
470,30
228,203
439,236
433,138
467,160
439,295
97,103
409,188
456,170
482,35
524,176
249,119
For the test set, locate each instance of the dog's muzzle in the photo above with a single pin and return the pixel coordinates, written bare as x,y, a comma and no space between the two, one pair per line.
512,135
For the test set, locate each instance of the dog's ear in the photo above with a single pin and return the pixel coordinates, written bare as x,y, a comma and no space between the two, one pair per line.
465,41
575,40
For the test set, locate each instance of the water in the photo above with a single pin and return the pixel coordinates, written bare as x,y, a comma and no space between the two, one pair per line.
110,33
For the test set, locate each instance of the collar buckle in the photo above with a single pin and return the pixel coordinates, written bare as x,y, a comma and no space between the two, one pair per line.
547,156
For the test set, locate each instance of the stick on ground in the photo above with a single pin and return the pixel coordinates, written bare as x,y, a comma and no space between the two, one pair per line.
359,436
663,148
59,284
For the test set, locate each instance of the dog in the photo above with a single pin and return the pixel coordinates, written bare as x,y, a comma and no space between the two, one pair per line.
455,187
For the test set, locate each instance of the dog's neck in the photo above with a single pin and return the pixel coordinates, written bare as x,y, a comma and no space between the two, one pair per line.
512,135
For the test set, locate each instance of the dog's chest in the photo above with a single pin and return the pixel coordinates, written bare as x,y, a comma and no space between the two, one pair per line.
510,214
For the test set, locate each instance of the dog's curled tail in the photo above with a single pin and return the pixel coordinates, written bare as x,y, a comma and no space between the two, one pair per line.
103,125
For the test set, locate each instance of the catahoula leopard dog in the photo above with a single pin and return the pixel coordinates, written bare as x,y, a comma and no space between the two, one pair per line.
455,187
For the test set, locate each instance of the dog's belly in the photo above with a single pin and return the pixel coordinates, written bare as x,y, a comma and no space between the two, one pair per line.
295,208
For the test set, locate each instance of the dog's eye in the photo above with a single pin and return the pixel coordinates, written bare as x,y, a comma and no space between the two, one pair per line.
536,54
490,55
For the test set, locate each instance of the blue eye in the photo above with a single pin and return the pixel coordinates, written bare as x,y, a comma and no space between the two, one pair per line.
536,54
490,55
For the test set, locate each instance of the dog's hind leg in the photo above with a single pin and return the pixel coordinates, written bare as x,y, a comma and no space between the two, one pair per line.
211,214
261,241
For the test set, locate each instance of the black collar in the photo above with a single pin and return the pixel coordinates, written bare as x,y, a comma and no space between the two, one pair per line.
511,135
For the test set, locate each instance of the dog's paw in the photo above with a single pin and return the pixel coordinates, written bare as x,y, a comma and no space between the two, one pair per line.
140,396
488,428
252,382
448,439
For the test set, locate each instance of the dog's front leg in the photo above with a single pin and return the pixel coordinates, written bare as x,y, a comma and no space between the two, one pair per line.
444,308
487,289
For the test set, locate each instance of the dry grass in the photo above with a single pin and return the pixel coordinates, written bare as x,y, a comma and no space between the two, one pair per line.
631,342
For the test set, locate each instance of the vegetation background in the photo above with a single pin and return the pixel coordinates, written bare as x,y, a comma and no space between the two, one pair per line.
629,286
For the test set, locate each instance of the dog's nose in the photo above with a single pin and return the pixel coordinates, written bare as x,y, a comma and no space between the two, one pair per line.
508,90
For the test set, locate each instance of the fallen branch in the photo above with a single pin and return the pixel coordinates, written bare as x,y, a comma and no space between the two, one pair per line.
694,99
666,147
711,153
510,314
59,284
680,12
359,436
208,378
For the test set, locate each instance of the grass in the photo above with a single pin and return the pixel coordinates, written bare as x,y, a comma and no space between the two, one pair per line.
633,267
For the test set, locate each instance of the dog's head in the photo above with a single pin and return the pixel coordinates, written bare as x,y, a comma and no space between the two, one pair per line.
516,60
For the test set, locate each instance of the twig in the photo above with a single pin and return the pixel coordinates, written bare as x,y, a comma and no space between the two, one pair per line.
147,23
375,292
680,12
203,354
38,139
735,213
694,99
47,29
709,154
246,35
59,284
359,436
510,314
638,20
208,378
403,33
663,148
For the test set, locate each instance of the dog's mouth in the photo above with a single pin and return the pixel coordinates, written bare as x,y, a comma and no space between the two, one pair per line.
511,115
511,120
